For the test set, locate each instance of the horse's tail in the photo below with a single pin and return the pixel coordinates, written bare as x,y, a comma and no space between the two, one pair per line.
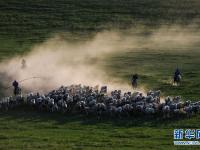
179,77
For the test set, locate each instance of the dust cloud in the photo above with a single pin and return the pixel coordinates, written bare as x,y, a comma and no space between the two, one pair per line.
57,62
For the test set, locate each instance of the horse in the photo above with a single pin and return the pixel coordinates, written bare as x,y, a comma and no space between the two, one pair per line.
134,84
177,79
17,91
134,81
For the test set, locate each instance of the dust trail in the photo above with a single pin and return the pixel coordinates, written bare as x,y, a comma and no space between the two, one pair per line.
59,62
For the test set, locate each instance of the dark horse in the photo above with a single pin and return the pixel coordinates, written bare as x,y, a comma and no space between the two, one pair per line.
134,81
17,89
177,77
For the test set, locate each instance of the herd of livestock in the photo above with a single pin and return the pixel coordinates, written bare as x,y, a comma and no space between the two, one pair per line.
98,102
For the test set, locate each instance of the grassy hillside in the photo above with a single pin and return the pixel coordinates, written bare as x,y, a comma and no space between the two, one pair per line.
25,23
156,68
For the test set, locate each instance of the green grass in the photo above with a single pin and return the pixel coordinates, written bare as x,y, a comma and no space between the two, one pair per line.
156,68
25,129
26,23
23,23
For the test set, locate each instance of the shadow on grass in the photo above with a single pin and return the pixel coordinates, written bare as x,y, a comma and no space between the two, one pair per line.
26,115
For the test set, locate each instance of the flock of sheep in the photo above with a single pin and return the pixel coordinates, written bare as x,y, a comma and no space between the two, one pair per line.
91,101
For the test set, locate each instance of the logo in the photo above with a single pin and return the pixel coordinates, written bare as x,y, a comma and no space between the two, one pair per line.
186,137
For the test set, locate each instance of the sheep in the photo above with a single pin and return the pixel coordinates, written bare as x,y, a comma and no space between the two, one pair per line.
112,110
119,111
88,100
166,111
62,105
188,110
127,109
149,110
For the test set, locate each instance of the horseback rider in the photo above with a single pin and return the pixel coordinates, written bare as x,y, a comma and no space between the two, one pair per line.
177,75
23,64
16,88
134,80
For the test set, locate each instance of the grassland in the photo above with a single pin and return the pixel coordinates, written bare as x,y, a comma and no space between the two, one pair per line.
25,23
156,70
25,129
